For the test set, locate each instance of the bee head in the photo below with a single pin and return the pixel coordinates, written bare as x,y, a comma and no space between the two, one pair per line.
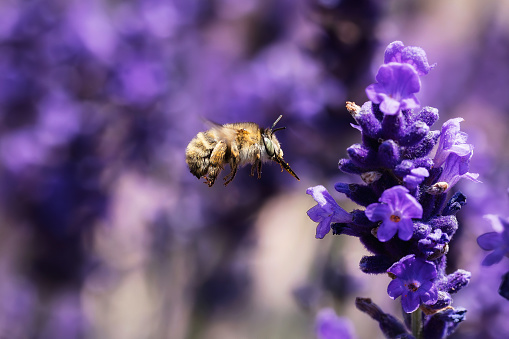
270,141
273,148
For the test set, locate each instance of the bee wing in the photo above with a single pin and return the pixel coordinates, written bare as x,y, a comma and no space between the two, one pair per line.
211,124
223,132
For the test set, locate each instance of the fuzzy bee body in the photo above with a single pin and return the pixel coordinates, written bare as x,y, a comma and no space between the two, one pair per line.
236,144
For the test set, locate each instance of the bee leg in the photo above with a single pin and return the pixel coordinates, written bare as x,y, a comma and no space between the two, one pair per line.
231,175
215,162
208,181
234,162
258,166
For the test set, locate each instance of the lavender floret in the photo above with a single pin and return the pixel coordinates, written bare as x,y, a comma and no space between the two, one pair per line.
395,88
413,282
396,210
326,211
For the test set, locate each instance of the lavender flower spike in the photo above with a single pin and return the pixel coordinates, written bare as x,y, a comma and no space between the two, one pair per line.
326,211
498,242
452,140
395,88
396,210
413,282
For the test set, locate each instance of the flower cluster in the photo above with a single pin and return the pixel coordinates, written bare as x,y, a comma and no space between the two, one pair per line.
407,170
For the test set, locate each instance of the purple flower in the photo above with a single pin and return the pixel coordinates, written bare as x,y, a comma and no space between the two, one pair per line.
434,243
452,140
456,167
415,177
498,242
326,211
330,326
396,210
415,56
455,281
395,88
413,282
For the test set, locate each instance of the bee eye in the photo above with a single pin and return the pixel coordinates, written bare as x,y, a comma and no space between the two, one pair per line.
269,146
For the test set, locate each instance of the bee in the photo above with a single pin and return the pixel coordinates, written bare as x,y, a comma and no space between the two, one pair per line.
235,144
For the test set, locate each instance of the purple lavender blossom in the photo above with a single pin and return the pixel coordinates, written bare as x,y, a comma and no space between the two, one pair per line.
434,243
455,168
413,282
326,211
454,154
396,210
330,326
415,56
498,242
452,140
415,177
395,88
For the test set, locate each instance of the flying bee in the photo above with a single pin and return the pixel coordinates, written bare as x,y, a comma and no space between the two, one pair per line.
235,144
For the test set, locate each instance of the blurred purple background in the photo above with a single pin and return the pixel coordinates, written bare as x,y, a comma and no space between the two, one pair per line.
106,234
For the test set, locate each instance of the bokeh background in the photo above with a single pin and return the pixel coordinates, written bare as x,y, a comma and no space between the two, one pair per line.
104,233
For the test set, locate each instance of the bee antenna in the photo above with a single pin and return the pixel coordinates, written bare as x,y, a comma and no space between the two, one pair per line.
275,122
278,129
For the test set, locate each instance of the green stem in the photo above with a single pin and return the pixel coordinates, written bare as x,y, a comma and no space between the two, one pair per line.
417,323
